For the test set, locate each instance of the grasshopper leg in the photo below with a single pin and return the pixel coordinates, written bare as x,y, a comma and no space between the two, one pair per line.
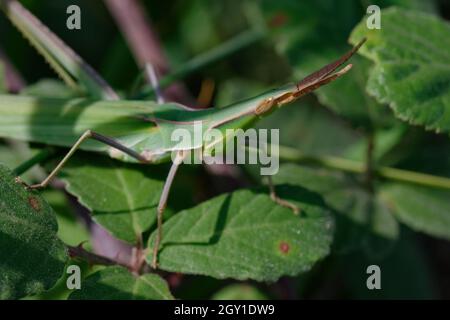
162,204
275,197
87,135
278,200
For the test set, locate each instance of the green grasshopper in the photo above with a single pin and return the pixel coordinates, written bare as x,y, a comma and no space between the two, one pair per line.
136,131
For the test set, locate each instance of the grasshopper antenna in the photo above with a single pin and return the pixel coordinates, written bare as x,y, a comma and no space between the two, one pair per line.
327,71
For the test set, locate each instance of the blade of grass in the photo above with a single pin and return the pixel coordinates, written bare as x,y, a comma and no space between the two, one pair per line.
67,64
218,53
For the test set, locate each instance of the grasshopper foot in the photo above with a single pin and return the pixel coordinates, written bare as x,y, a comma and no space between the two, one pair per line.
155,262
34,186
26,185
284,203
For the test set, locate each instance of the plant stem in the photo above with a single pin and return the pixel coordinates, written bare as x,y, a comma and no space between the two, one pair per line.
414,177
135,25
92,258
291,154
218,53
13,79
39,157
369,161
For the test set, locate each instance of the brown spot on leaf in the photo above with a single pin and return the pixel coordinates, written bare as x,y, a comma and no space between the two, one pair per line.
34,203
278,20
284,247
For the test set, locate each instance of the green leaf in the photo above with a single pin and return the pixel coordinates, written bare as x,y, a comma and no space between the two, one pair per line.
32,258
116,283
423,209
362,217
412,72
239,292
245,235
122,197
426,6
66,62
